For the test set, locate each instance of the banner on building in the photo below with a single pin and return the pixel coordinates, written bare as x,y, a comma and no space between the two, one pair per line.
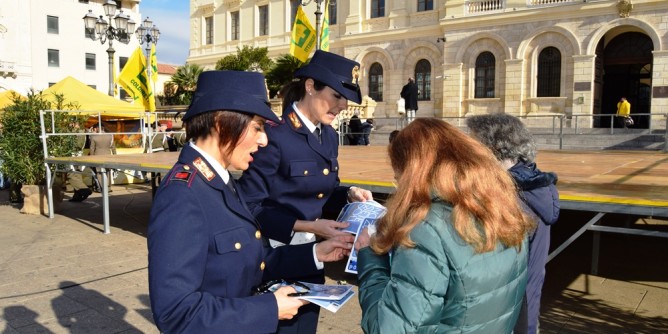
135,81
303,36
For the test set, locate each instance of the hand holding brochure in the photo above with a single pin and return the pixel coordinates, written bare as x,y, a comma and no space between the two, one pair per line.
328,296
360,215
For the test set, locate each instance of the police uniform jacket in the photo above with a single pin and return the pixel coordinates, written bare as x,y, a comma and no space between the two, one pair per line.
293,177
206,254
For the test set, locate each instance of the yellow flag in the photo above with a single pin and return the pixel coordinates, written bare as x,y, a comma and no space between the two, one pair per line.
303,36
324,31
154,64
135,81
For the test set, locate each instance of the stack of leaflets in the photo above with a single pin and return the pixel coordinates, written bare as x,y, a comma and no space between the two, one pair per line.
360,215
329,297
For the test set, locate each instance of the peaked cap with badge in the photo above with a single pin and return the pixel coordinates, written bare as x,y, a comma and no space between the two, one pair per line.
339,73
245,92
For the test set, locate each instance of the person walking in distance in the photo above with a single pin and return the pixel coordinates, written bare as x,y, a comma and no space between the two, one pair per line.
410,94
101,143
624,112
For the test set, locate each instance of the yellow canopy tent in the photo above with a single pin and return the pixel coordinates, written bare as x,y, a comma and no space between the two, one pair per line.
92,100
6,98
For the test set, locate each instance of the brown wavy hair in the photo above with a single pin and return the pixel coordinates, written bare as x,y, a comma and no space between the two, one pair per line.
433,158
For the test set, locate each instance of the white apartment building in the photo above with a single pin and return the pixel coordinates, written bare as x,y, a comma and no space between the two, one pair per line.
44,41
523,57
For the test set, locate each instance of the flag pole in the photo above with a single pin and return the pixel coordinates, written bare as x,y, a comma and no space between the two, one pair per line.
318,13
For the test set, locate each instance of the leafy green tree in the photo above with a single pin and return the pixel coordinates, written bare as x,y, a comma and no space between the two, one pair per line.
248,58
282,73
180,89
21,147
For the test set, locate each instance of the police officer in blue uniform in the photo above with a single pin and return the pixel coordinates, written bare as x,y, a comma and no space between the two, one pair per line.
296,177
206,250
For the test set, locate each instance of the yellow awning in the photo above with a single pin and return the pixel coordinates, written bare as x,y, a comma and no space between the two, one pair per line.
6,98
90,101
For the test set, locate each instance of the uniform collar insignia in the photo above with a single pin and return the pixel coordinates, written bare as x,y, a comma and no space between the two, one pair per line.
296,122
203,168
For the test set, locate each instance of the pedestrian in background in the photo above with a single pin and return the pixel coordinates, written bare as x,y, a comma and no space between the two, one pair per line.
101,143
514,147
457,235
294,181
367,126
410,94
624,112
206,253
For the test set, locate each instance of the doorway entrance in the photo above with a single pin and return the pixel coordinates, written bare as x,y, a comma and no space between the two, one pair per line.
624,69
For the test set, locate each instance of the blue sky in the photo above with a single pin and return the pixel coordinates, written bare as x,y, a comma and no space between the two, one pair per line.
172,18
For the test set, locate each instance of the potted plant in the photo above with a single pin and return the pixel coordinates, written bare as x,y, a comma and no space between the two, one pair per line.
21,148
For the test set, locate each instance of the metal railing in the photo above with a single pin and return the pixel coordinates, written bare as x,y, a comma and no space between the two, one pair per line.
563,125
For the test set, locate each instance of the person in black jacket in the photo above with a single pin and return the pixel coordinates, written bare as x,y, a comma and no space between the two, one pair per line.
515,148
410,94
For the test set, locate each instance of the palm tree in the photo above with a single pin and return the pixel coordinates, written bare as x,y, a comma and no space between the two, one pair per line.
180,89
282,72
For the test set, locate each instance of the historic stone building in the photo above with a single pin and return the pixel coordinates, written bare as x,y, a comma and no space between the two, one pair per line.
524,57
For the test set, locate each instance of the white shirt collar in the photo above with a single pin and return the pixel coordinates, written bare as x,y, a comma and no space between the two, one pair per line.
309,125
220,170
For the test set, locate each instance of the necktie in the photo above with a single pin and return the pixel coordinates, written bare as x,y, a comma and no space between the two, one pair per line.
316,132
230,184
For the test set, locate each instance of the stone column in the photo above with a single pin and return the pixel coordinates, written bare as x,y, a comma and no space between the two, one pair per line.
659,100
583,89
514,93
398,14
453,90
353,22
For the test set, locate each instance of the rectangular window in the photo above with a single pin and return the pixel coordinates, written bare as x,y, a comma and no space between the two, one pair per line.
52,24
263,13
83,1
208,23
234,26
293,11
332,12
54,58
424,5
89,33
377,8
119,4
121,63
90,61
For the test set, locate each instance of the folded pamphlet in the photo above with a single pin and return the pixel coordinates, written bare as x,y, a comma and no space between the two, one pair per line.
360,215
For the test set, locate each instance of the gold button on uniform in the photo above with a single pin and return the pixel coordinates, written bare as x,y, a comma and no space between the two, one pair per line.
262,265
186,167
305,172
320,195
325,171
258,235
336,168
237,246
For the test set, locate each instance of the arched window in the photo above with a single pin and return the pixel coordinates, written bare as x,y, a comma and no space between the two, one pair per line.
376,82
549,72
485,65
423,79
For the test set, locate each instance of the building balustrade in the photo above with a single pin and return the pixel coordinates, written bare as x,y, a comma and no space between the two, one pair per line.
484,6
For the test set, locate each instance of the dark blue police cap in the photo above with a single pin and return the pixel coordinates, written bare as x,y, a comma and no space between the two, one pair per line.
244,92
339,73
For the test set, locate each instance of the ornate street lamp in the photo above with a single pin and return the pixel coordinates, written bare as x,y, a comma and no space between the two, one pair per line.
149,34
104,31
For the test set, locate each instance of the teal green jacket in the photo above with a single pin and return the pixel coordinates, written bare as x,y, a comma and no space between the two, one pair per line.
441,285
